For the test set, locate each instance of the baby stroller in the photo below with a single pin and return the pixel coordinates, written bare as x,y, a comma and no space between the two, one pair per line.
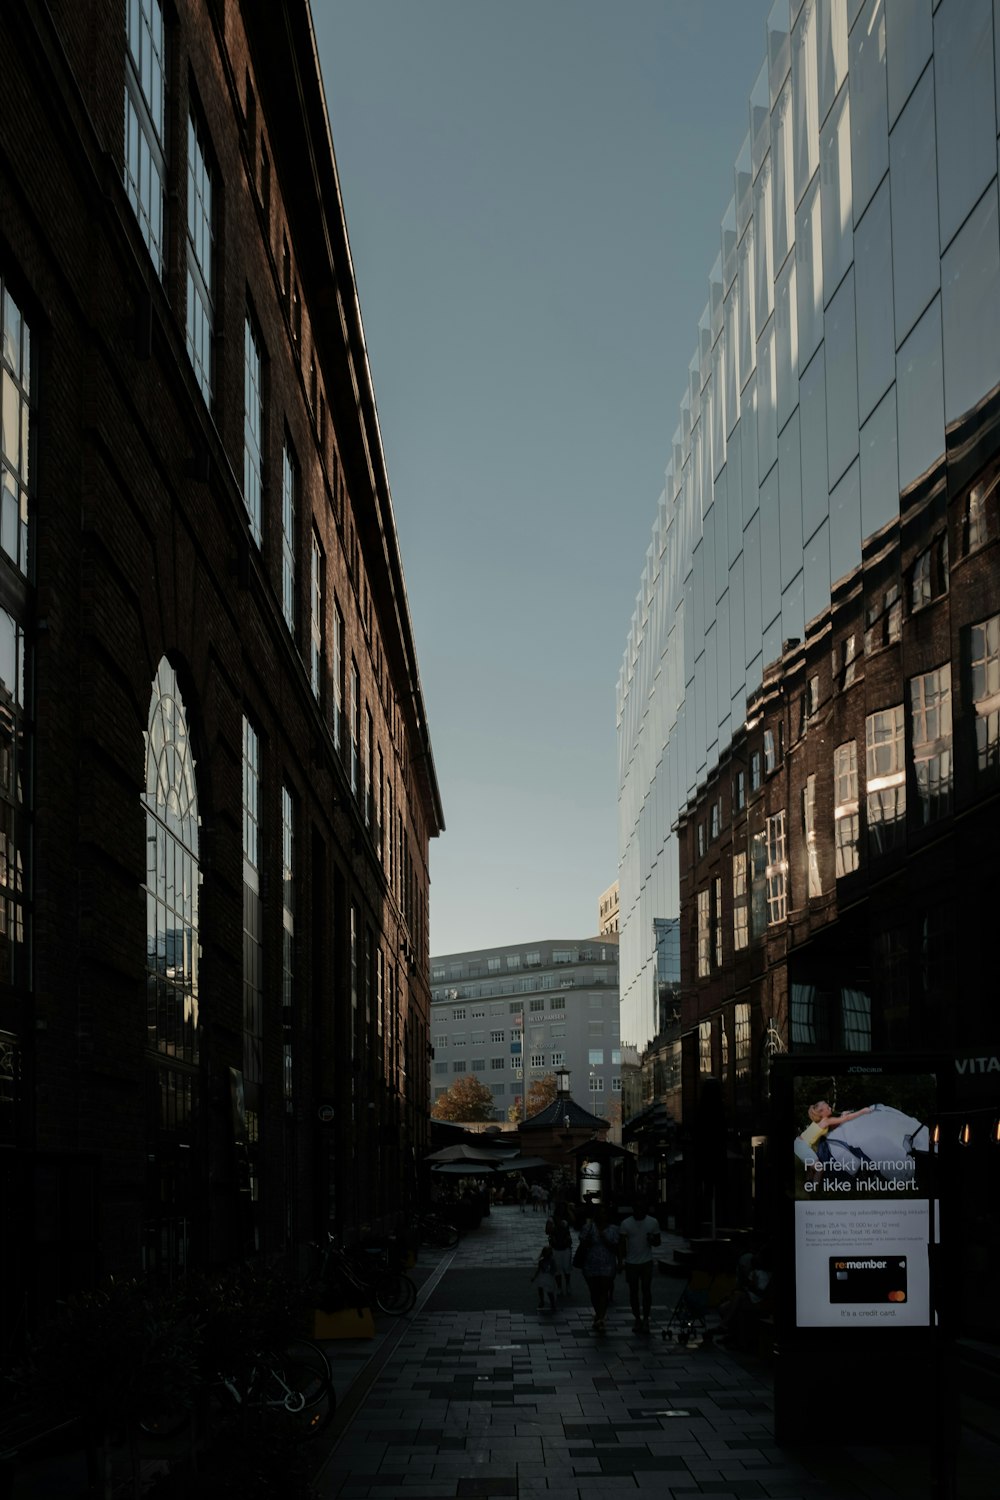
695,1317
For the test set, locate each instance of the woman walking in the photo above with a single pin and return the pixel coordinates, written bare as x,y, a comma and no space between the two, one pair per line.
599,1243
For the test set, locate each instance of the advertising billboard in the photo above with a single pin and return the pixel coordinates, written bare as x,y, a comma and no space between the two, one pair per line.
854,1143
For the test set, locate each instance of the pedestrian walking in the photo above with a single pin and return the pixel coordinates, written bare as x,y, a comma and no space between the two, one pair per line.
561,1240
544,1275
538,1196
522,1191
599,1246
639,1235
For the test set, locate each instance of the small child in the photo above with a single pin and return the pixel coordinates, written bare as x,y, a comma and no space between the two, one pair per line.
823,1119
545,1275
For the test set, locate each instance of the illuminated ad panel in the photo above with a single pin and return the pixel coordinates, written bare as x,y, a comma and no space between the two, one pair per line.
859,1149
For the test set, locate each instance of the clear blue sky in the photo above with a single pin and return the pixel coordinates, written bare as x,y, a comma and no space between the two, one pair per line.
533,190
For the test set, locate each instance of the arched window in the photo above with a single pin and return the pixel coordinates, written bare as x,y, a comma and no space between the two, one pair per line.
171,803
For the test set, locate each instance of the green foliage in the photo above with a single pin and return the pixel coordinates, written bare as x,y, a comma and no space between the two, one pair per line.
467,1099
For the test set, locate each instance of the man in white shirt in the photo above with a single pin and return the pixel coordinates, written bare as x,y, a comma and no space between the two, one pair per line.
639,1233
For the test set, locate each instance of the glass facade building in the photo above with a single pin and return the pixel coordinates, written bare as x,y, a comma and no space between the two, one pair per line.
852,328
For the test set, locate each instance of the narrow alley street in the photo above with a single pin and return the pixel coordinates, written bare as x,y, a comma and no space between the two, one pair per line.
481,1395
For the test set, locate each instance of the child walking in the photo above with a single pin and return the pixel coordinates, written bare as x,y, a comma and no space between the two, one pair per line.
545,1275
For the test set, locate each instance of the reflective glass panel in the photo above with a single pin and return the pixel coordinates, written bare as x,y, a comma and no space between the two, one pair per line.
734,493
790,496
832,47
737,661
909,39
805,97
763,241
879,467
873,296
838,240
778,55
752,588
793,609
770,548
920,397
746,289
782,170
970,309
817,572
760,120
748,443
841,380
744,187
809,271
812,418
845,525
786,329
869,110
916,264
966,108
767,403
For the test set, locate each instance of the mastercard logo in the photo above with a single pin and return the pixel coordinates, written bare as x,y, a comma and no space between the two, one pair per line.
897,1296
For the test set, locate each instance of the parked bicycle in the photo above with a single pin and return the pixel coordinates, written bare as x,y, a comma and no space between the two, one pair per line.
293,1387
361,1278
431,1229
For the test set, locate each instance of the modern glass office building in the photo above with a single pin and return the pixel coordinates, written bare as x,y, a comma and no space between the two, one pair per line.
850,341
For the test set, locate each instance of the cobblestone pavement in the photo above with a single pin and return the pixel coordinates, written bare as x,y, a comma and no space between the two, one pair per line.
478,1394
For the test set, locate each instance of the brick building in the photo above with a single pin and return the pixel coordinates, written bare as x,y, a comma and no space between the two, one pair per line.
217,788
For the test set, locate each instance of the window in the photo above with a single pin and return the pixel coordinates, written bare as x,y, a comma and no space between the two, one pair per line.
701,839
930,739
287,938
498,1036
742,1039
772,750
777,870
557,1002
886,779
929,575
703,934
170,801
355,729
848,661
984,652
477,1038
558,1059
493,966
538,1060
596,1083
479,1065
755,771
564,956
980,515
616,1085
369,752
441,1040
515,1008
813,884
741,923
513,960
458,1066
758,884
704,1047
537,1004
440,1067
145,161
458,1014
557,1029
616,1057
338,679
716,821
717,920
595,1057
253,428
498,1064
883,619
253,969
289,508
740,791
532,960
316,614
845,808
200,256
15,381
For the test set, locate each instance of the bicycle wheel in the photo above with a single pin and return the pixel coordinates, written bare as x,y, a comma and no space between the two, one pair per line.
308,1400
310,1356
394,1293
